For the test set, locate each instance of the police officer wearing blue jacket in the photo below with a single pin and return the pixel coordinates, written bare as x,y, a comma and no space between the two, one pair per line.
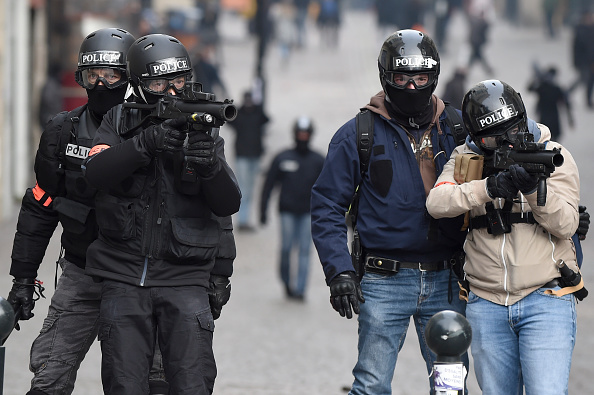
406,253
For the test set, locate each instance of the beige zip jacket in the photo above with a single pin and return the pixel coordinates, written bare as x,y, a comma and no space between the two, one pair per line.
505,268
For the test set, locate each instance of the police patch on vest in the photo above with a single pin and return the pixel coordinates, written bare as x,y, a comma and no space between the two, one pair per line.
100,58
167,66
414,61
77,151
496,117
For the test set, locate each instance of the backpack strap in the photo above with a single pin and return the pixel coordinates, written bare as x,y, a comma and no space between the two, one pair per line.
72,118
364,121
454,122
364,124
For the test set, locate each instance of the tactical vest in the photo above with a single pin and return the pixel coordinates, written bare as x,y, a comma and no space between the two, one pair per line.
143,215
75,207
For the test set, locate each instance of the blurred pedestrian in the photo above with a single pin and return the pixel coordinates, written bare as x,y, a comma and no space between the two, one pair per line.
551,98
295,170
284,13
249,126
583,55
51,99
329,19
550,9
302,13
456,87
389,16
207,73
480,17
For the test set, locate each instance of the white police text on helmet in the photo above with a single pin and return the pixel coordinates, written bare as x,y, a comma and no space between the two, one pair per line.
496,117
100,57
415,61
169,65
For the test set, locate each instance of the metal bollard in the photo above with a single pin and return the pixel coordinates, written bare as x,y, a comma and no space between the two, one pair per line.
448,335
6,327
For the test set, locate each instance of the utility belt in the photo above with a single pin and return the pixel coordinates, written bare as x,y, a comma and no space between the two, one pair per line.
499,221
381,265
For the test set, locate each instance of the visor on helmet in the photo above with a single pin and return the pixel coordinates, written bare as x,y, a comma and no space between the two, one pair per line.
160,86
402,80
111,77
501,137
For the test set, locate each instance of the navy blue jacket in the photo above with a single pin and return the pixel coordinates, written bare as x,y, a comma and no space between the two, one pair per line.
392,215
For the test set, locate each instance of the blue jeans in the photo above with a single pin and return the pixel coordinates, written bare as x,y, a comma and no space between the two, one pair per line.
528,344
295,231
246,170
390,302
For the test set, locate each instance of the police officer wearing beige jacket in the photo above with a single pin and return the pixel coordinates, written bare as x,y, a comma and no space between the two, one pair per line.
523,323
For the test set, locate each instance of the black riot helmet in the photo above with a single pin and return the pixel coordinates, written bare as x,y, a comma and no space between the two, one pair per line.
494,113
156,63
103,49
405,55
302,130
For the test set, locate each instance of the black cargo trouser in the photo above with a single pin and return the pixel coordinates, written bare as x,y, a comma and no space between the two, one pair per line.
180,317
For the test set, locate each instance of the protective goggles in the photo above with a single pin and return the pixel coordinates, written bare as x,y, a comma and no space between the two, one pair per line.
402,80
111,77
510,136
160,86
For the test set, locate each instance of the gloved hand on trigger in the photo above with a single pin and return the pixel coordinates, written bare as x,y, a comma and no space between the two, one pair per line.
201,154
166,136
584,224
218,294
345,291
523,180
21,297
501,186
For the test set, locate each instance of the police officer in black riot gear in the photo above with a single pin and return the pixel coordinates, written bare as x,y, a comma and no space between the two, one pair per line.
158,233
61,194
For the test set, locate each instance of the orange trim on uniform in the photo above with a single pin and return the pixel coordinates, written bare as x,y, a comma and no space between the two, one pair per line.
98,148
445,182
39,195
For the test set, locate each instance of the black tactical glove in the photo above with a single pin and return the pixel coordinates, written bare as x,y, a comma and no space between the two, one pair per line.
523,180
21,297
584,224
345,291
218,294
501,185
201,154
166,136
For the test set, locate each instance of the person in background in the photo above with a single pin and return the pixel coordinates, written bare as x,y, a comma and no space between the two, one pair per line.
551,97
249,127
295,170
